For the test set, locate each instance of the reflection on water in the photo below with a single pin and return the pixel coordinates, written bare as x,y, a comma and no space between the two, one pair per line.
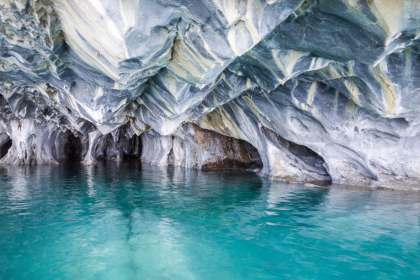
126,221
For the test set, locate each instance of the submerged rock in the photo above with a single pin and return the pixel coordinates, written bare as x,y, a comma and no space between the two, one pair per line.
307,91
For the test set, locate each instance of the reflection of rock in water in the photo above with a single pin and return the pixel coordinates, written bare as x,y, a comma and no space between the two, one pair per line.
129,225
307,91
290,197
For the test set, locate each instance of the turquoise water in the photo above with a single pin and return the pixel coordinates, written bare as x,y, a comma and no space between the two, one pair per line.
131,222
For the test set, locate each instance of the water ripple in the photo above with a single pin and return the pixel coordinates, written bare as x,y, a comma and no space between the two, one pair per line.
129,221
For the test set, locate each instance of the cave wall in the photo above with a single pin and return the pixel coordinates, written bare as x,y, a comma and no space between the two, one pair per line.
311,91
194,147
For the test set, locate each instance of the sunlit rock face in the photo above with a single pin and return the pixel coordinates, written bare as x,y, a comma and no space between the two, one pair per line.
306,91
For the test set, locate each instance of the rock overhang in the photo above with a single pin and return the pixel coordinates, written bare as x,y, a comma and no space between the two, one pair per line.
337,77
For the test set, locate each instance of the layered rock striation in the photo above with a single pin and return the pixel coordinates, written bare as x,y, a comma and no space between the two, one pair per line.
306,91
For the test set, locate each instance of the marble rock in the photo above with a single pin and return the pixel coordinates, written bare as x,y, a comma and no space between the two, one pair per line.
315,91
194,147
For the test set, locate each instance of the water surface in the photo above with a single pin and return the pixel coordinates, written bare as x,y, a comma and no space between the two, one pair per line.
124,221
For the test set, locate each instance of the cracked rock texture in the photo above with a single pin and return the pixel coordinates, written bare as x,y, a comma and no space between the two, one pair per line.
308,91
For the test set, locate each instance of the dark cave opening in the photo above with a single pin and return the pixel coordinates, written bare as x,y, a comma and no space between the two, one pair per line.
313,161
253,154
73,148
238,154
5,148
134,149
119,148
307,155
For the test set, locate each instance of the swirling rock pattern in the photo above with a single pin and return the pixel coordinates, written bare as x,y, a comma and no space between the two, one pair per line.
311,91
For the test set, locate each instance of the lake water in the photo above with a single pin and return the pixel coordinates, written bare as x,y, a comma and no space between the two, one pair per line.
125,221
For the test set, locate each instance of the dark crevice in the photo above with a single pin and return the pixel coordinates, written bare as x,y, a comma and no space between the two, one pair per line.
134,149
306,155
5,148
73,148
171,160
253,153
102,148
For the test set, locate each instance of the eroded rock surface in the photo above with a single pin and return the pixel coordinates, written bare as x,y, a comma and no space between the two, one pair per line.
194,147
308,91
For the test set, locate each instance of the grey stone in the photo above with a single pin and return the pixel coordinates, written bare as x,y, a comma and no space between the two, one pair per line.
308,91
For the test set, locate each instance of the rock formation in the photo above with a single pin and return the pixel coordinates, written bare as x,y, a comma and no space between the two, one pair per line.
308,91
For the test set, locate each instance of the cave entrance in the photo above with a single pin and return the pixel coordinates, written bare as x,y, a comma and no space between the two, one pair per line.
302,157
238,155
310,158
73,148
5,148
229,153
134,149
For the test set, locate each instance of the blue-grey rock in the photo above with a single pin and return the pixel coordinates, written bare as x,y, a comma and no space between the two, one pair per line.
310,91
